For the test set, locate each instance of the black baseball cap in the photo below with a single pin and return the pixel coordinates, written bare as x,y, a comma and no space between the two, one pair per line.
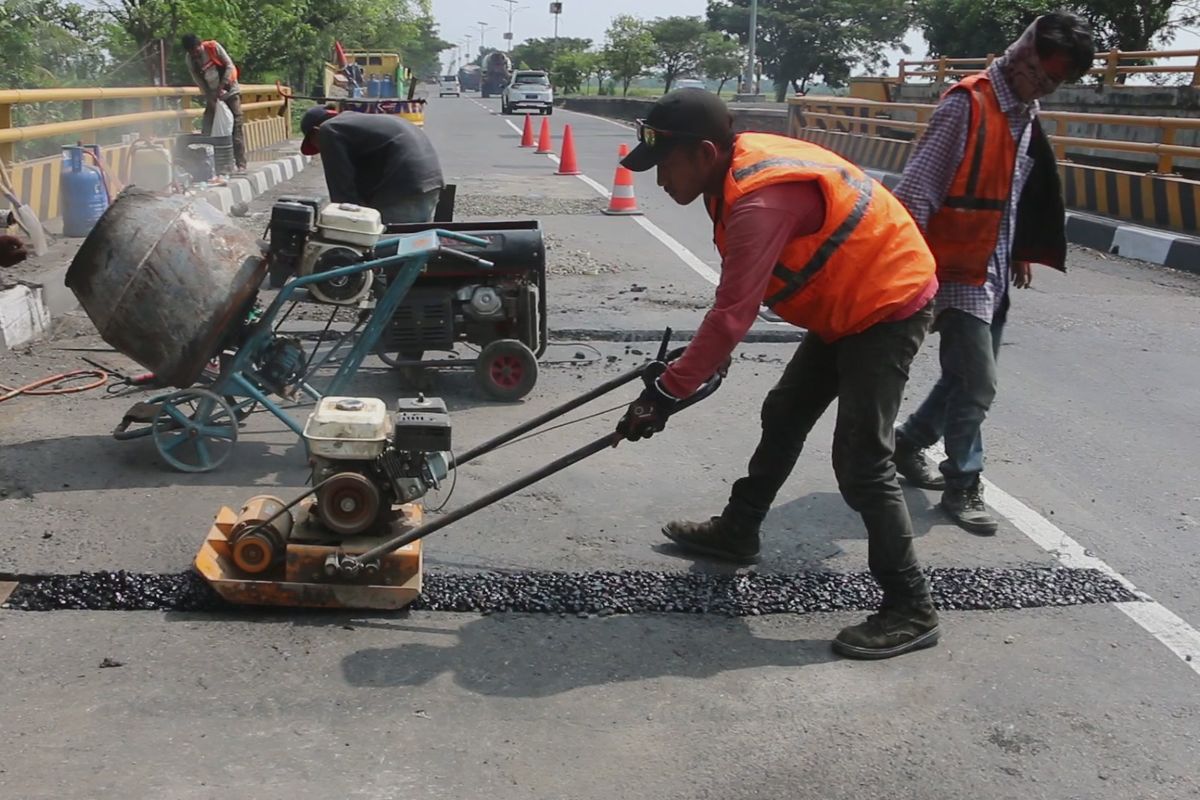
308,126
682,115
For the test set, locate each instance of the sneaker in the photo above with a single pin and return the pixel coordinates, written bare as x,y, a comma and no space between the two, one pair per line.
890,632
716,538
912,464
967,509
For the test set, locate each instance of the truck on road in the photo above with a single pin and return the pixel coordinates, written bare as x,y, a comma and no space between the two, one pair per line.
496,71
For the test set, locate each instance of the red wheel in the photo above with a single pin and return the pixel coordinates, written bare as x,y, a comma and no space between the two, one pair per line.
507,370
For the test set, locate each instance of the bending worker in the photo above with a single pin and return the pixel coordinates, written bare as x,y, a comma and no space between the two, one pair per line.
217,76
375,160
983,185
808,234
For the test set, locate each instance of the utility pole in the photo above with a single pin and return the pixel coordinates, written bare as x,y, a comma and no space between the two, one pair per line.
510,10
749,89
483,28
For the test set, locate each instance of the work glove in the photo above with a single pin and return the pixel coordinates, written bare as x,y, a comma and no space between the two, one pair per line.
12,250
647,415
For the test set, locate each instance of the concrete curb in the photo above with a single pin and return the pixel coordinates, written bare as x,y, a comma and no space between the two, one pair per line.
1164,248
25,315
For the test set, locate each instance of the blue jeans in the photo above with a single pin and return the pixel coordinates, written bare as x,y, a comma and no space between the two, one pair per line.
960,400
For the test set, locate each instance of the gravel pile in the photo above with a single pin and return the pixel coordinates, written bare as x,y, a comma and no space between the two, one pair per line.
634,592
501,207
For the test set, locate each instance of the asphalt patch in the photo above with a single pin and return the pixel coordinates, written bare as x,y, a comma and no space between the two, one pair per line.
602,593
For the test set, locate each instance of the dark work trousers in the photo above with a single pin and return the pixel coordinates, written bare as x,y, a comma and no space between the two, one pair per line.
866,373
239,141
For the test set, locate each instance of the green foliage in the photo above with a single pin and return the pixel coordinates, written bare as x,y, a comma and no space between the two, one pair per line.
49,44
971,28
629,52
571,69
721,59
678,43
799,40
542,53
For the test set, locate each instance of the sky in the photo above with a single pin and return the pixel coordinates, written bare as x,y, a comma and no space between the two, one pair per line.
590,18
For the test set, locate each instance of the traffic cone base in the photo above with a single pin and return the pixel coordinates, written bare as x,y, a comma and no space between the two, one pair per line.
527,134
622,202
545,146
567,164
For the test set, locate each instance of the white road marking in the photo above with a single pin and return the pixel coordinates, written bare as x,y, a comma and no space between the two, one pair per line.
1156,619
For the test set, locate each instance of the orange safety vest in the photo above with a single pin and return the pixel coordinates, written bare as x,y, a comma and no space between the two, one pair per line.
963,233
866,262
214,60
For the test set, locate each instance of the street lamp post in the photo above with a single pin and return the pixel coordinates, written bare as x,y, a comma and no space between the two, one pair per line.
483,28
510,10
748,87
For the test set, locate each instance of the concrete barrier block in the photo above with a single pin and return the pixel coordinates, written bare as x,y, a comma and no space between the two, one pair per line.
300,161
1185,255
258,182
23,314
241,189
219,197
289,169
1091,232
1143,244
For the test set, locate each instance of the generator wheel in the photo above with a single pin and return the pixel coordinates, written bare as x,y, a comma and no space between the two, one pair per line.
195,430
507,370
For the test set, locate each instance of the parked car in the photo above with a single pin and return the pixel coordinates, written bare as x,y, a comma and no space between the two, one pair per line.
689,83
449,85
529,88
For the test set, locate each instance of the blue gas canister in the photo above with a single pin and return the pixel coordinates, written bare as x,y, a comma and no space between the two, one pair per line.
83,191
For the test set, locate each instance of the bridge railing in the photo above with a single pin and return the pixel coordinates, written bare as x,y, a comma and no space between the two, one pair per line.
104,112
1111,66
1152,138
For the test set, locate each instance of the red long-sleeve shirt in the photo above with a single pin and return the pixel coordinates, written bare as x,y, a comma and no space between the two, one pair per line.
757,229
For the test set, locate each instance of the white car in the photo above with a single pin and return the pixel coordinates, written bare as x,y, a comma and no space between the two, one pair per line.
688,83
449,85
529,88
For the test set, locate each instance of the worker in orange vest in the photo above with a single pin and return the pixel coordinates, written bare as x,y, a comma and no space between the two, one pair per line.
983,185
827,248
217,76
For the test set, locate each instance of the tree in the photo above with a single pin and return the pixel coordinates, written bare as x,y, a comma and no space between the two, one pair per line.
677,46
630,50
541,53
720,58
571,69
971,29
799,40
1137,24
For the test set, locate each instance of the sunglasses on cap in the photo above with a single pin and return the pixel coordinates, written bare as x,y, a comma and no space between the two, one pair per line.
649,135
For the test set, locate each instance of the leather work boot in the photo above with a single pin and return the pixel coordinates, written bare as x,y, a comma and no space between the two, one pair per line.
890,632
912,464
715,538
966,507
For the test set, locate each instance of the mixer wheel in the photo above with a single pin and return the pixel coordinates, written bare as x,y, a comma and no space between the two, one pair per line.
194,430
349,503
507,370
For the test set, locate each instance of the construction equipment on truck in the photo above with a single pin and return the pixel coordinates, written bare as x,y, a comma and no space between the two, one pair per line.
496,72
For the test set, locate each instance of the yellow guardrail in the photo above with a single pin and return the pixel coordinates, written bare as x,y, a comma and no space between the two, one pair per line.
258,102
869,117
1113,66
267,122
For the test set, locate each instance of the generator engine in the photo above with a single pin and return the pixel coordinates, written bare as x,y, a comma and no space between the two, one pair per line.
308,240
370,462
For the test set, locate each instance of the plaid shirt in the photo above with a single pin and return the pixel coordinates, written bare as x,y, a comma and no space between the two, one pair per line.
930,171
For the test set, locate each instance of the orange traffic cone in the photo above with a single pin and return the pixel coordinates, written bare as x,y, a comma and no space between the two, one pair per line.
567,164
622,202
544,144
527,134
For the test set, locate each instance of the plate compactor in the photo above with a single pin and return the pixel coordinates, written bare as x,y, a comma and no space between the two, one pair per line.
353,539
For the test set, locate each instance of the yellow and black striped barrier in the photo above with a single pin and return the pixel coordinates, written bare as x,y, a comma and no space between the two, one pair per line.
1158,201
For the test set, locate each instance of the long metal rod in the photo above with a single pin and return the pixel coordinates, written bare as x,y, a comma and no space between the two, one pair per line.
553,413
494,496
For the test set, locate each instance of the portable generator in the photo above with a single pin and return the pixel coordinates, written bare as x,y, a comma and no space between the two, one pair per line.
501,309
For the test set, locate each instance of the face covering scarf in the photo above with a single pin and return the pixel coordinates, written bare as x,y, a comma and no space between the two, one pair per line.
1023,69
